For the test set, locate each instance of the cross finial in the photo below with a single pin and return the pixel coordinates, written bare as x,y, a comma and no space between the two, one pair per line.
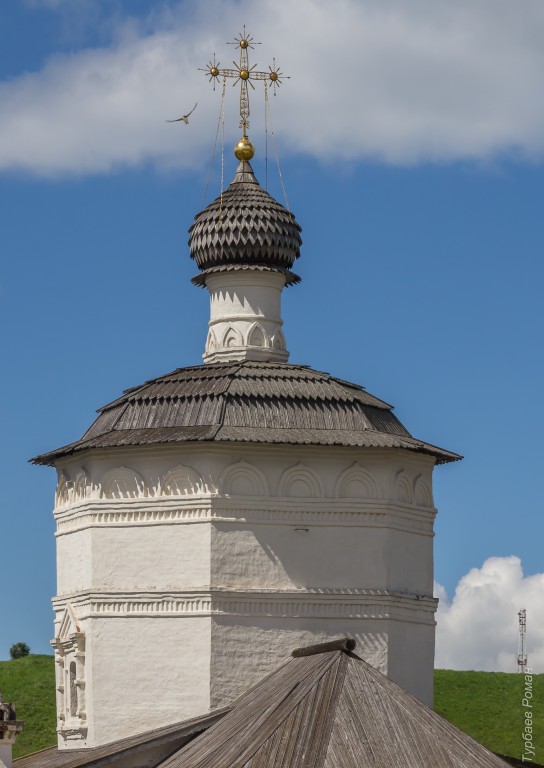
244,74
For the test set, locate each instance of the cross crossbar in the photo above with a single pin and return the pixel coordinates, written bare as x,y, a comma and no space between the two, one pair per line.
244,74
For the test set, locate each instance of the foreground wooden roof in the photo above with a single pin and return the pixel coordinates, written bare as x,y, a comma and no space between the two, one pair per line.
133,750
324,708
255,402
331,709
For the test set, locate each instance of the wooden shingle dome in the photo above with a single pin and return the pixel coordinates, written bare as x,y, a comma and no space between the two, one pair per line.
245,226
251,402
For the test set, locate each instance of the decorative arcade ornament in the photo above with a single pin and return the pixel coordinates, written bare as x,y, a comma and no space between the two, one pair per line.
244,74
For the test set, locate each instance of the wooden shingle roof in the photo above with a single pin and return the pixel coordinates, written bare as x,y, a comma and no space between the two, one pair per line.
247,401
132,748
324,708
245,226
331,709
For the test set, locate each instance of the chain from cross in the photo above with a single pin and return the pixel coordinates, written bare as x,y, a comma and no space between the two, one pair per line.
244,74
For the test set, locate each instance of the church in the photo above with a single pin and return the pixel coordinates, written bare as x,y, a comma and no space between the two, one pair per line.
245,547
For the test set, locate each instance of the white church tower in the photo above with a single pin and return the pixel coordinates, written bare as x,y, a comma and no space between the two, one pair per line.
245,502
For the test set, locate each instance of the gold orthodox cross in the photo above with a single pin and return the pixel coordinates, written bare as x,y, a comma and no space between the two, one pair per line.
244,74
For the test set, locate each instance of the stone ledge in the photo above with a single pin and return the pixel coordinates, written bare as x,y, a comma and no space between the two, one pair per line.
349,603
274,511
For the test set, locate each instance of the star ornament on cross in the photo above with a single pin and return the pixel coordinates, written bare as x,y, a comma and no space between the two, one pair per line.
244,74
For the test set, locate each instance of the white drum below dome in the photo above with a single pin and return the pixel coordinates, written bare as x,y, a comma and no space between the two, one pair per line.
245,317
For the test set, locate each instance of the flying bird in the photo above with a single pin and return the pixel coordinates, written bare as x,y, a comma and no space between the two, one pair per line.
184,118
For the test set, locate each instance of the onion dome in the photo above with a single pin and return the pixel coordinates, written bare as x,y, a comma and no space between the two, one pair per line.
243,228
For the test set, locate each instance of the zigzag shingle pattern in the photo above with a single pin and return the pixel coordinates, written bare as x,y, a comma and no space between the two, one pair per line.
245,225
290,277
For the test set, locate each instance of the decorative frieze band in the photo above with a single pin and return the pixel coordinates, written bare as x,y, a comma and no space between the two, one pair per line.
366,513
240,478
318,604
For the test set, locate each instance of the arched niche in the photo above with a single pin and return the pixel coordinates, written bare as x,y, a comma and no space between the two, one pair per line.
243,479
181,481
64,492
122,483
403,489
422,493
82,485
72,690
355,482
257,336
231,338
300,482
211,341
278,341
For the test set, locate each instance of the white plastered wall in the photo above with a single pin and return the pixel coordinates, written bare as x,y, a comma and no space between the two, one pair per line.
245,317
153,679
398,648
192,570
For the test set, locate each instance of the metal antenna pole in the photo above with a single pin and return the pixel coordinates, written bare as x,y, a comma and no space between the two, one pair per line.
522,651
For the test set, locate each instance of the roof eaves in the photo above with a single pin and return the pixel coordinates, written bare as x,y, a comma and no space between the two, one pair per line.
94,757
127,438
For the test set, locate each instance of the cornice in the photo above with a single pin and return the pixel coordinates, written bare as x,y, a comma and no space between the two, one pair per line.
372,513
291,604
186,451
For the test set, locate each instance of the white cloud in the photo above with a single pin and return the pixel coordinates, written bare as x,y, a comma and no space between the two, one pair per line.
428,80
478,629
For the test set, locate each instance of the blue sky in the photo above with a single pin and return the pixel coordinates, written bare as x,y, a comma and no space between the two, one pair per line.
412,157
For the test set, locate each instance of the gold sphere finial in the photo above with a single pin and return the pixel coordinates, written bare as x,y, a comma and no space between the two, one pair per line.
244,149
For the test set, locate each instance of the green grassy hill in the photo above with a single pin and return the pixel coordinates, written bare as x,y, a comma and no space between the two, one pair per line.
487,705
30,684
